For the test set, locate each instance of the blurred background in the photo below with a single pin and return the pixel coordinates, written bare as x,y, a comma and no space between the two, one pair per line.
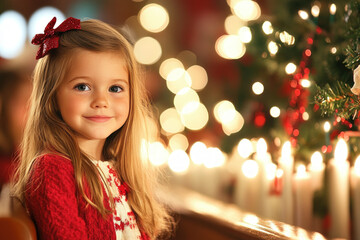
237,87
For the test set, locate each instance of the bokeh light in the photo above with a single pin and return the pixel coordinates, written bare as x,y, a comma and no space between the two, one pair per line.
168,65
250,168
199,77
184,97
196,119
275,112
198,152
178,79
233,24
178,141
179,161
41,17
245,148
147,50
245,34
258,88
170,121
230,47
13,34
158,155
267,28
247,10
154,17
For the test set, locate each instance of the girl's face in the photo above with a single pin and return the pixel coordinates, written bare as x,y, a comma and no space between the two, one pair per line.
94,96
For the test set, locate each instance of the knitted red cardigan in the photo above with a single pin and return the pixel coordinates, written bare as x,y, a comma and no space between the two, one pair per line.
58,210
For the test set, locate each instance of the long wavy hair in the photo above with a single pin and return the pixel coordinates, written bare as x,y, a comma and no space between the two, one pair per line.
47,132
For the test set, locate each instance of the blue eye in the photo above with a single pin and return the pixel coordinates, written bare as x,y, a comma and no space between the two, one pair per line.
82,87
115,89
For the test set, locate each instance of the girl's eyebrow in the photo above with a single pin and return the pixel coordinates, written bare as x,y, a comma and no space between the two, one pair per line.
125,81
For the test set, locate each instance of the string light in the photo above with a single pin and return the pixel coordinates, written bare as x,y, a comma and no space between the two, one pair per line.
258,88
267,27
303,14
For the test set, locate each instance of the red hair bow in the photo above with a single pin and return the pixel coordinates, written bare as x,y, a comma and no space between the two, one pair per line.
50,38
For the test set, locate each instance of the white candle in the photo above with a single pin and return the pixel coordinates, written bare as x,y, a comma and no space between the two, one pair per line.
339,192
263,158
286,163
196,170
316,168
303,198
246,189
214,162
355,175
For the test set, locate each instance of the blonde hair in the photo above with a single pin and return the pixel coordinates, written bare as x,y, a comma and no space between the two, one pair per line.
46,131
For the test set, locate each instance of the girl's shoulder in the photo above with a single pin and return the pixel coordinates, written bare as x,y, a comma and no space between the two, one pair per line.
52,161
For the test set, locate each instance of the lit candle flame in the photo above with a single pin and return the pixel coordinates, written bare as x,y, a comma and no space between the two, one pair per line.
261,147
316,161
341,151
286,150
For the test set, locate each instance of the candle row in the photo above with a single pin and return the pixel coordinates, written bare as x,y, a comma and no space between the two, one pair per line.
271,189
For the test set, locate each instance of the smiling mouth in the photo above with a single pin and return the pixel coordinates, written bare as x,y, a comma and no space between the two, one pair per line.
98,118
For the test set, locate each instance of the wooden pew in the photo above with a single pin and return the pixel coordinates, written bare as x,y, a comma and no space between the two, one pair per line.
201,217
17,226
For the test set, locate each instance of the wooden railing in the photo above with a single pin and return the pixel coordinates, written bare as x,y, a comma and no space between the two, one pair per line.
201,217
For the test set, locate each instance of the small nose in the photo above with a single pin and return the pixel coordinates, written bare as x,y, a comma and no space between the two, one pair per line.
100,100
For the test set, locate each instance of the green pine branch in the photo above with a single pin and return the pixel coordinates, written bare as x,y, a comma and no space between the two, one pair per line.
338,100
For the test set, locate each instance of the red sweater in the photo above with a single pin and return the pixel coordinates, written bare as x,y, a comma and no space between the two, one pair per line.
58,210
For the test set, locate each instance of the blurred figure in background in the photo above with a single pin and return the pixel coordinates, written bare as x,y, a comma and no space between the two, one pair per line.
15,90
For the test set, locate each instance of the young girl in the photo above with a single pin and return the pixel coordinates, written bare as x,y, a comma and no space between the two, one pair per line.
81,174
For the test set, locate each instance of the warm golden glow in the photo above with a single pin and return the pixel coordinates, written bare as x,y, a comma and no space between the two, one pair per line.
245,148
267,28
178,79
224,110
178,141
301,170
179,161
275,112
305,83
332,9
199,77
154,18
184,97
230,47
315,10
341,151
250,168
195,119
170,121
273,48
198,153
305,116
247,10
287,38
233,24
168,65
286,150
327,126
261,147
316,160
290,68
147,50
158,155
214,158
303,14
233,124
245,34
333,50
258,88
